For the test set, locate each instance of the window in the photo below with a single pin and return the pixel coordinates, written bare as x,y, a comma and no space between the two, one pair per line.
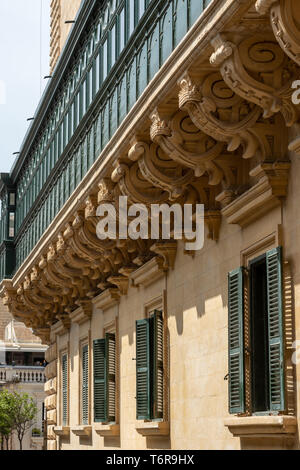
149,367
85,386
265,328
105,379
64,381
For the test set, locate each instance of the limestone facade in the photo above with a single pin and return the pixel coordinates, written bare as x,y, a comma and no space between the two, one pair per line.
216,125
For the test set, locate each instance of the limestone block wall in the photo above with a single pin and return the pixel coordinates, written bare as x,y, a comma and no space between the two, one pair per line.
50,390
61,11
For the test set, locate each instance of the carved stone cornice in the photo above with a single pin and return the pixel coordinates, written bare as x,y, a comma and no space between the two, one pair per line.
83,313
167,251
107,299
265,195
121,282
257,70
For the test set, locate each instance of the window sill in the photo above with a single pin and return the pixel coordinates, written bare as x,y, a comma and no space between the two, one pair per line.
153,428
105,430
261,426
62,431
83,430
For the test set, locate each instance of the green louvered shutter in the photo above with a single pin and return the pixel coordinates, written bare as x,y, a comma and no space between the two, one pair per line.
157,379
236,342
65,389
143,369
85,385
100,407
111,377
275,327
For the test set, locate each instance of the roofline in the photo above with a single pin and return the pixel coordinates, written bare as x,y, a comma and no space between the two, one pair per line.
82,17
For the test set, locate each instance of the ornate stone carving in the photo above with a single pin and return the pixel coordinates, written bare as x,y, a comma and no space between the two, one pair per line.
257,70
285,20
175,138
209,111
263,6
167,250
159,169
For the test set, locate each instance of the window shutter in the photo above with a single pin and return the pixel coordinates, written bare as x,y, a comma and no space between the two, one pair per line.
236,342
275,326
65,389
156,323
143,369
85,385
111,376
100,415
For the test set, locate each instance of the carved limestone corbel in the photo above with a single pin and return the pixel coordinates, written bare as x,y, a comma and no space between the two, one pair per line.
257,70
203,109
121,282
133,184
171,139
159,169
167,251
285,21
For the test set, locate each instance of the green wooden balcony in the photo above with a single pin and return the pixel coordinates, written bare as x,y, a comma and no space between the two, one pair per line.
114,50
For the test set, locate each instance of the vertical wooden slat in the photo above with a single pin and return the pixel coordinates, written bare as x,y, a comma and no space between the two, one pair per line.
275,330
100,414
143,369
236,342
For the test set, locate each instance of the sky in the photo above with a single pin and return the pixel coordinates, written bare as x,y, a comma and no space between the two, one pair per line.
24,61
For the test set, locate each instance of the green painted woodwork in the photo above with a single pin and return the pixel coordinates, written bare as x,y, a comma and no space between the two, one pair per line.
85,385
105,379
149,367
275,327
236,384
65,389
143,404
125,44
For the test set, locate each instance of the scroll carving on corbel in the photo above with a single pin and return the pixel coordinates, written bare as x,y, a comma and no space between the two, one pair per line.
172,139
210,107
285,21
159,169
258,71
133,185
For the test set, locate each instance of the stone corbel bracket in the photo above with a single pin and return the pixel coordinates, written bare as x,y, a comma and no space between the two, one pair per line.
201,110
171,142
285,21
260,54
167,251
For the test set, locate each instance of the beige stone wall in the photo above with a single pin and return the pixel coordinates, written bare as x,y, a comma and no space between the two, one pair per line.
196,309
5,319
61,11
